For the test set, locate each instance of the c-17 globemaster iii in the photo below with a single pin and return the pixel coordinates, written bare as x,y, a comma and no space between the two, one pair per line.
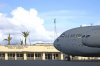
80,41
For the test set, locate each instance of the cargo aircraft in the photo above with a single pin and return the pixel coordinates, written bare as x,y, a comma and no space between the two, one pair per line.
80,41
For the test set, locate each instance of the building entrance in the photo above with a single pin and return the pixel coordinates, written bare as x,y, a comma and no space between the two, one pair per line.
48,56
55,57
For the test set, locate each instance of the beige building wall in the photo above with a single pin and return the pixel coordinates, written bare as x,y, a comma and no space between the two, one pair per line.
30,52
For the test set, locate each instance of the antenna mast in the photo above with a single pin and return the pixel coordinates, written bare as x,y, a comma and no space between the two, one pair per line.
55,31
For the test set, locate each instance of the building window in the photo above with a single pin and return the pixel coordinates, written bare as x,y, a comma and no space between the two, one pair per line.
19,55
11,55
30,55
56,55
48,56
37,55
2,55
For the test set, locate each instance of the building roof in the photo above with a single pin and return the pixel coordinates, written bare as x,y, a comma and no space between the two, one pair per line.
28,48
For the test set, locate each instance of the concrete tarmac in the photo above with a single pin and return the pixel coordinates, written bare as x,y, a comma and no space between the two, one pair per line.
49,63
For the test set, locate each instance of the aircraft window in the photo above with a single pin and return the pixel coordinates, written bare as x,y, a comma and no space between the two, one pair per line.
83,36
57,40
87,36
62,35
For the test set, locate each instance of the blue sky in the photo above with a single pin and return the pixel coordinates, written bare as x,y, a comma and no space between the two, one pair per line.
68,13
84,11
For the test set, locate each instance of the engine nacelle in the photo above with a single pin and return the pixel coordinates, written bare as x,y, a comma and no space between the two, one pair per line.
92,39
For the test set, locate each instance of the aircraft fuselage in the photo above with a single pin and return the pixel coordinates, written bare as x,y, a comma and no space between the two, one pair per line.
81,41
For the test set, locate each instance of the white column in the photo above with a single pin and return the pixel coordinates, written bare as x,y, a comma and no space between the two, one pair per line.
52,56
34,56
15,56
6,56
25,56
43,56
61,56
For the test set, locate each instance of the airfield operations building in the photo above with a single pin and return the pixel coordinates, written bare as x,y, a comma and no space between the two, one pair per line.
30,52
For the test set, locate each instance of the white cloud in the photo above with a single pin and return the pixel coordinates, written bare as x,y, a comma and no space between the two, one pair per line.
23,20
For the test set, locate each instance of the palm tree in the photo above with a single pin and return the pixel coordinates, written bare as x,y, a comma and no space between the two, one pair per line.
9,39
21,42
25,34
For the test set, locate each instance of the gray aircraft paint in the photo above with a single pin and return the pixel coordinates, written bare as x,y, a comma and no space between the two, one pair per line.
73,43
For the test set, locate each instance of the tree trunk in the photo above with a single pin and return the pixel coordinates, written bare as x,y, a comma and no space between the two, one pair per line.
21,43
25,40
8,42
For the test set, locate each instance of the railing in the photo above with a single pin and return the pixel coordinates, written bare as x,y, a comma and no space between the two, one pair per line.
30,58
38,58
20,58
56,58
11,58
2,58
